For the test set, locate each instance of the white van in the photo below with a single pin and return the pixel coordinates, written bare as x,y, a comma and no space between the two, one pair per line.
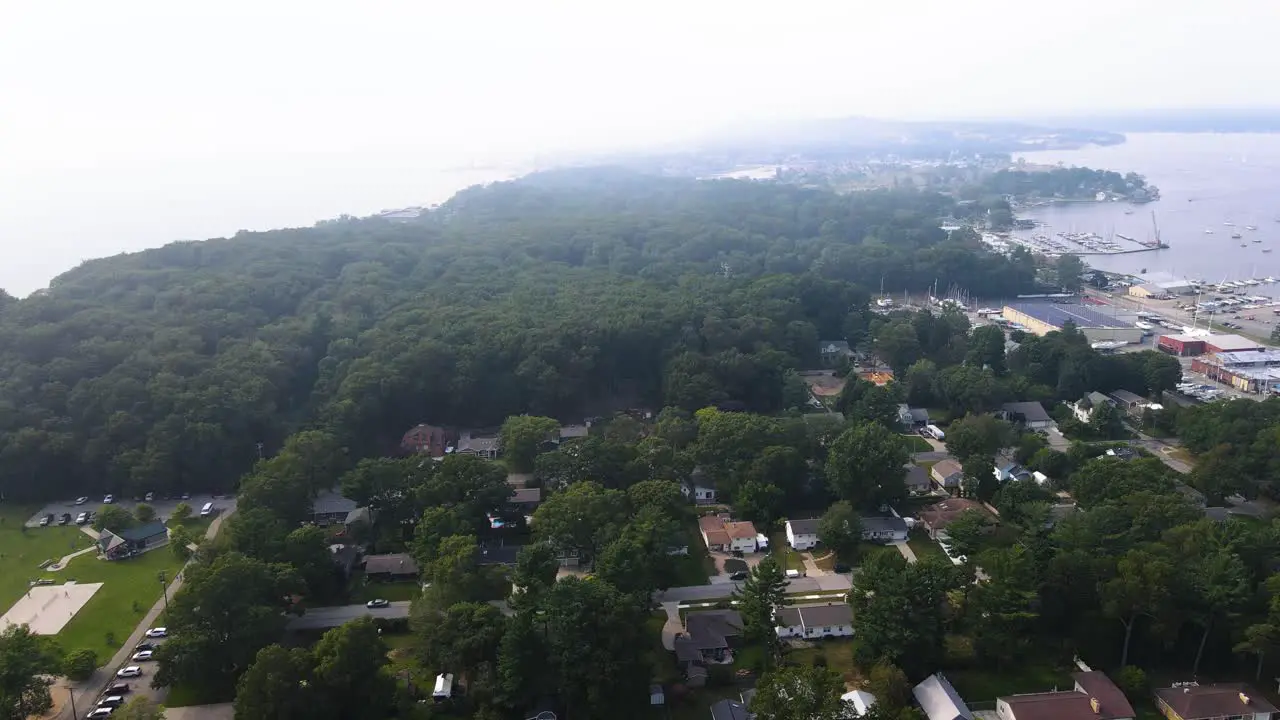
444,687
207,510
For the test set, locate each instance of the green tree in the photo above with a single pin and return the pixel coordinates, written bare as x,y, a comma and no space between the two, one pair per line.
866,465
26,662
899,611
139,708
889,685
977,436
966,532
1220,589
113,518
581,518
453,573
350,673
919,382
1068,272
1105,422
436,524
592,634
306,550
1133,682
279,684
144,513
1004,608
840,530
80,664
864,401
759,595
760,502
1141,587
181,512
898,344
799,693
180,543
461,639
986,349
521,436
535,573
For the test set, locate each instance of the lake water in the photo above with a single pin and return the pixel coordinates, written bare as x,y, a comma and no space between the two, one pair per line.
1205,180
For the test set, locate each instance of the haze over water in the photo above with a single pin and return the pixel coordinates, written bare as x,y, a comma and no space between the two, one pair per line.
1205,180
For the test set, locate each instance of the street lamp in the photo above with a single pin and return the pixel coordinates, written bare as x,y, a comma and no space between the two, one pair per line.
164,589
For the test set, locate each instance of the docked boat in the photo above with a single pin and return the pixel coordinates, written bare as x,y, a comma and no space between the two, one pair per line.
1257,240
1236,236
1228,223
1266,249
1208,231
1250,227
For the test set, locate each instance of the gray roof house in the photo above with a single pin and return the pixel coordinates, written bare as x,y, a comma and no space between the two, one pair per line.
1031,414
886,528
705,640
947,473
939,700
917,479
331,507
395,566
730,710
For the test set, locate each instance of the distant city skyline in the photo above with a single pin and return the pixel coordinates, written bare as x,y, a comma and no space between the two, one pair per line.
127,125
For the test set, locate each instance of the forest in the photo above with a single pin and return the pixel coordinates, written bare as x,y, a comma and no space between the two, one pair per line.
566,293
1069,183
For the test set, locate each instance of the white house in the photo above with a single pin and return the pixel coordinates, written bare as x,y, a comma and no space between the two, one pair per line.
724,535
884,529
939,700
814,621
860,701
704,495
1084,407
802,534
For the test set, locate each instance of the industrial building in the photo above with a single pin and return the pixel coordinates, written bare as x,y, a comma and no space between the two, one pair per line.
1160,284
1191,345
1248,371
1042,318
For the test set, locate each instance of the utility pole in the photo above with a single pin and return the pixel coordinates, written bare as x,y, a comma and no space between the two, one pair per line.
164,589
71,693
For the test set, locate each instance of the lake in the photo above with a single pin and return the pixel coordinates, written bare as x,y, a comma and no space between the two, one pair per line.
1205,180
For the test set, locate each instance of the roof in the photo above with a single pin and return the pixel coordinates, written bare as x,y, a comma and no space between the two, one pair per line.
939,515
828,347
741,530
497,554
1076,704
1057,315
143,532
948,467
916,476
884,524
919,415
816,615
939,700
1128,398
331,502
1096,398
1111,698
1246,357
861,700
1230,342
1212,701
1030,411
730,710
720,530
708,629
392,564
574,431
527,496
804,527
478,443
111,540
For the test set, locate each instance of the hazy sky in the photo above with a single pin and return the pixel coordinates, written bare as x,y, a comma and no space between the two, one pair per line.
125,124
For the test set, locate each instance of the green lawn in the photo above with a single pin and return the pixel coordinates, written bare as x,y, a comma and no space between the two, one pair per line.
838,653
23,549
869,549
987,684
916,444
130,587
923,547
364,591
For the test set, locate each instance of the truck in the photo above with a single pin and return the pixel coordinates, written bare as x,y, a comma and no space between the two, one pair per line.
935,432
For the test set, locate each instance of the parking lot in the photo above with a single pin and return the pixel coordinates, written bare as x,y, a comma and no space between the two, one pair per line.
163,506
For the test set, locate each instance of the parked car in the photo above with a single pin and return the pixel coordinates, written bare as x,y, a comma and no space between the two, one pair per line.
81,500
739,576
145,646
142,656
111,701
82,518
100,712
108,499
66,518
128,672
378,603
148,497
120,688
44,521
186,496
157,632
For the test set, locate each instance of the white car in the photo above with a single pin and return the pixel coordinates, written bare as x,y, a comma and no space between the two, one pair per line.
142,655
158,632
81,500
128,672
107,500
100,713
378,603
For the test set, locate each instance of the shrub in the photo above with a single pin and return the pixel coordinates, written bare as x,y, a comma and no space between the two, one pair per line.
80,664
1133,681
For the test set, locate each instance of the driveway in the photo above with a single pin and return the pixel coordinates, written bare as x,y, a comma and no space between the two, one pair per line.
931,456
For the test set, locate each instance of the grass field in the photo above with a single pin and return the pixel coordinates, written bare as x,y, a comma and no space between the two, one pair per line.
916,444
838,653
923,547
23,549
362,591
130,587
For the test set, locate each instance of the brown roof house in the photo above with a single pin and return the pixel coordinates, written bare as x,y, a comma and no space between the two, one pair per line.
947,474
1094,697
427,440
393,567
706,640
937,516
725,535
1189,701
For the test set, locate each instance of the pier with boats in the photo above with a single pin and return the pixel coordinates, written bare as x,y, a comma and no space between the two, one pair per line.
1082,243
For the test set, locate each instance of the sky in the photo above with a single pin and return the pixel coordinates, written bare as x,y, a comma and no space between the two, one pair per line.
129,124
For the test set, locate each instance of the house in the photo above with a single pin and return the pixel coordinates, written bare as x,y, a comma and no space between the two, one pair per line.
802,534
917,479
1131,403
912,418
705,641
497,554
732,709
947,474
818,620
1189,701
330,507
725,535
1094,697
859,701
1011,471
485,446
1084,407
939,700
426,440
346,557
937,516
526,499
571,432
1031,415
395,567
131,541
884,529
831,351
704,495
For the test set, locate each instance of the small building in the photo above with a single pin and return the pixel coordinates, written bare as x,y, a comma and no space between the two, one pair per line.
818,620
912,418
724,535
1094,697
330,508
1011,471
802,534
1031,415
1084,407
427,440
859,701
937,516
947,474
939,700
131,541
885,529
704,494
395,567
526,499
498,554
731,710
1190,701
574,432
345,557
1192,344
916,479
1130,403
707,639
831,351
486,446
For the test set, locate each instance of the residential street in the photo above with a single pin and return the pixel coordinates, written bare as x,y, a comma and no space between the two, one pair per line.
696,593
331,617
85,694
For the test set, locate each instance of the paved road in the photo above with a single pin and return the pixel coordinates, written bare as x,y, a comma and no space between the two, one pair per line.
694,593
931,456
85,694
331,617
